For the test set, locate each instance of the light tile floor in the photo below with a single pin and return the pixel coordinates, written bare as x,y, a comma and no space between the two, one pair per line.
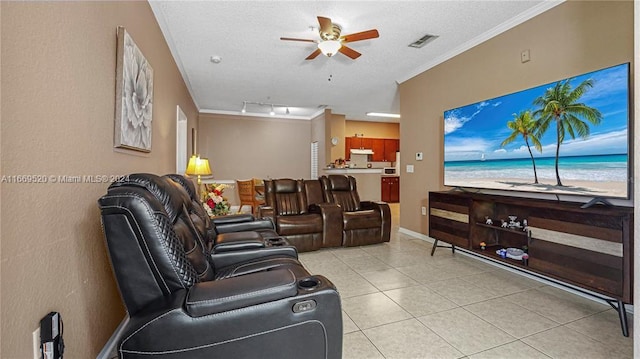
399,302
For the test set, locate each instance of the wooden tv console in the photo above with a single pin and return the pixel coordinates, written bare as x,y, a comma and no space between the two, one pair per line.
590,248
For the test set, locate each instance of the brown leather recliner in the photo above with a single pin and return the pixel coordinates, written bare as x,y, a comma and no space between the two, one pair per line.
364,222
306,226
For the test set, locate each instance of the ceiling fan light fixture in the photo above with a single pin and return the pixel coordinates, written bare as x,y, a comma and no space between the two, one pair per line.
329,47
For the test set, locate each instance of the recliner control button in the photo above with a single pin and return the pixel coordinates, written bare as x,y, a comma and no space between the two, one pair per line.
304,306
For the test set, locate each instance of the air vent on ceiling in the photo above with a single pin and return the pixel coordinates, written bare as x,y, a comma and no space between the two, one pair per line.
423,41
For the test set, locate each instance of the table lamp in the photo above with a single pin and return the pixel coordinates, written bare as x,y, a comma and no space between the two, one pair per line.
198,166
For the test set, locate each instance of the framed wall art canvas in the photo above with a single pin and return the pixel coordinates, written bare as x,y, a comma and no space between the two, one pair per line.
134,96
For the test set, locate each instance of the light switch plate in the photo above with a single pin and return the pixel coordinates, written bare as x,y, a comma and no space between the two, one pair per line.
409,168
36,343
418,156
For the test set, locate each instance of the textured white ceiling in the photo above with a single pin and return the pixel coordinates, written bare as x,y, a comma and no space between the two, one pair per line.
257,66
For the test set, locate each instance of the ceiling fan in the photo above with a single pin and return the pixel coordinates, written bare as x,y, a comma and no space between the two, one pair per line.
331,42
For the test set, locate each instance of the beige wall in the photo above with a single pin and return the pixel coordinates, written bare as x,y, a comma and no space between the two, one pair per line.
337,129
372,129
570,39
58,106
241,147
318,134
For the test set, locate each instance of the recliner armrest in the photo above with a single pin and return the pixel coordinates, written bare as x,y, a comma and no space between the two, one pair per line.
225,259
212,297
376,205
254,225
266,212
332,224
232,218
239,245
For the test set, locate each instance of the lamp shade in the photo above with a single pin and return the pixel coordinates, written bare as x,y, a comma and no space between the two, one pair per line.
198,166
329,47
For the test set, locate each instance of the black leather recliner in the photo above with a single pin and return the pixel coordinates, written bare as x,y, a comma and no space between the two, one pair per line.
184,302
224,230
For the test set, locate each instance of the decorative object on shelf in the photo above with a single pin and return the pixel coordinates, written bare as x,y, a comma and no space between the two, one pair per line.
213,201
134,96
504,224
483,246
525,259
512,253
488,220
513,223
515,253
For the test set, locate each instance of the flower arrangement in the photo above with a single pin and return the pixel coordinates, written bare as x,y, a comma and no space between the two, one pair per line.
213,201
483,245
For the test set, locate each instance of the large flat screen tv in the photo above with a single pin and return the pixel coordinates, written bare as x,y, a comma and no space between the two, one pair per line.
570,137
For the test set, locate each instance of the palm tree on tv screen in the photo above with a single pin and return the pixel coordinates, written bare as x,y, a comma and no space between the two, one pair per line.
560,104
524,125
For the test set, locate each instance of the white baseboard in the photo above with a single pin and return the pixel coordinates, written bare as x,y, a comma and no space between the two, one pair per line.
418,235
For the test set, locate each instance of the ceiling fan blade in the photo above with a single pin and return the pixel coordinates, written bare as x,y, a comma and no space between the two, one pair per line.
353,54
313,55
294,39
326,25
358,36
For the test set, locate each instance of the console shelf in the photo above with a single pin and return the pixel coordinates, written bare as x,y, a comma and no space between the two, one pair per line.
590,248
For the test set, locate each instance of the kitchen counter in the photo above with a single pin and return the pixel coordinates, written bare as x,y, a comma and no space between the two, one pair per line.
349,171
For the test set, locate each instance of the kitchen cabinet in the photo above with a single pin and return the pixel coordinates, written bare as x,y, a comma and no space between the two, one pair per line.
391,146
390,188
384,149
349,144
378,150
356,143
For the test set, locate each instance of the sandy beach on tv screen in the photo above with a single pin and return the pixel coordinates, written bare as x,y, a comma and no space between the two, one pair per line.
570,187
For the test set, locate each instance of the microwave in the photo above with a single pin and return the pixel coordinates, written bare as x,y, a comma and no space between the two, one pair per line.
389,171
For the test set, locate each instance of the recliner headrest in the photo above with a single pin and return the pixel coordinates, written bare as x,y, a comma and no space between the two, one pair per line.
285,185
170,194
339,183
185,182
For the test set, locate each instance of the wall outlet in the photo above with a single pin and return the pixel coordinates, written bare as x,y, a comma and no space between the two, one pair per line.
409,168
424,210
36,343
525,56
419,156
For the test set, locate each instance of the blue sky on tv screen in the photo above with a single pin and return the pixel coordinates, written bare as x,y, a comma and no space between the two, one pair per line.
473,130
